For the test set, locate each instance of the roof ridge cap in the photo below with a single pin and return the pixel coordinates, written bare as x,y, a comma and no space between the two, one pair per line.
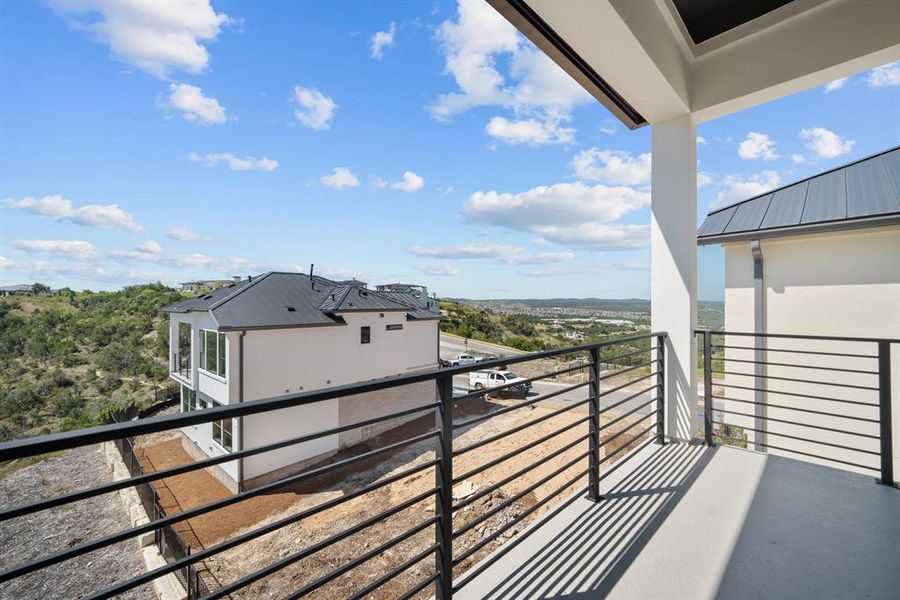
249,285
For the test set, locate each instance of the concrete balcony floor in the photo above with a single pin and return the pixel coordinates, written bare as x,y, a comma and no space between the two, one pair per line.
689,522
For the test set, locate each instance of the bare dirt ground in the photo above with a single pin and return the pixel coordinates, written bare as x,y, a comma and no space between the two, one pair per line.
282,545
50,530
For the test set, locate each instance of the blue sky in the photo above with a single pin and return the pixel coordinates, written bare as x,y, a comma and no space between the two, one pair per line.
393,141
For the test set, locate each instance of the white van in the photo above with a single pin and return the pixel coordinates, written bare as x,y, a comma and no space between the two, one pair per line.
487,379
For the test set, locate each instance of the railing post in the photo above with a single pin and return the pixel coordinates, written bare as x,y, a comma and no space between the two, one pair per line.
661,389
884,412
594,439
707,388
444,483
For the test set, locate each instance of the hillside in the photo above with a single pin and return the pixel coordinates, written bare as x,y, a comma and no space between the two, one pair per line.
67,357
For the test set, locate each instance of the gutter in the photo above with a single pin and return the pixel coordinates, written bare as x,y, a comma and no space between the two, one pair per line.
241,418
759,355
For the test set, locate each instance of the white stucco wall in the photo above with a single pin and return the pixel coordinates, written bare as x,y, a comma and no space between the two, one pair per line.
842,284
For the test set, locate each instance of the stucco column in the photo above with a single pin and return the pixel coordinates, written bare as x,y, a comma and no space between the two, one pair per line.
673,267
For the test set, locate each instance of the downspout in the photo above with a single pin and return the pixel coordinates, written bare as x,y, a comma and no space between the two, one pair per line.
759,327
241,418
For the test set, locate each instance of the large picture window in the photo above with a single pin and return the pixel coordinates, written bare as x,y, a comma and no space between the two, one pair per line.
222,432
212,352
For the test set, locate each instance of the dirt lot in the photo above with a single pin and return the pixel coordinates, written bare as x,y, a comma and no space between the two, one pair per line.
186,491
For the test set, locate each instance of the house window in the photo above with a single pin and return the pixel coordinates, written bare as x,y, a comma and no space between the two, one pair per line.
395,327
212,352
365,334
222,432
188,399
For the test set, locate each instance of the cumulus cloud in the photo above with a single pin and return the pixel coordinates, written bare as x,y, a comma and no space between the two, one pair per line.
314,109
704,178
341,177
884,76
410,182
193,105
757,146
57,208
156,37
612,166
438,269
182,234
837,84
149,247
493,65
825,143
798,159
538,258
248,163
598,236
73,249
382,40
465,251
742,188
531,132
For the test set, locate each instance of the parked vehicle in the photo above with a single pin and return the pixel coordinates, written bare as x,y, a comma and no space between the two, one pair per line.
487,379
463,359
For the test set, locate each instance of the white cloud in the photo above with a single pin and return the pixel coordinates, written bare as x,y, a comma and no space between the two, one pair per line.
798,159
5,262
616,166
825,143
156,37
341,177
194,106
532,132
182,234
538,258
409,183
314,109
738,188
248,163
603,268
598,236
149,247
701,141
73,249
465,251
884,76
704,178
609,127
438,269
837,84
57,208
757,146
493,65
382,40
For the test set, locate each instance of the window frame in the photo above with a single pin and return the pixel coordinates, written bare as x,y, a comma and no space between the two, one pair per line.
394,327
220,358
365,334
188,399
221,430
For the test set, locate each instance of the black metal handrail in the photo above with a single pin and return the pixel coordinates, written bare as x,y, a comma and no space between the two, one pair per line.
181,365
799,402
442,435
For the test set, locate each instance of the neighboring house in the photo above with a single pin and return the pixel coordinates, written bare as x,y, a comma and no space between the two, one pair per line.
283,333
817,257
574,335
203,285
24,289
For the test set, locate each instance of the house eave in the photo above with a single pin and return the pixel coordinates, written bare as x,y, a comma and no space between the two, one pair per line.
807,229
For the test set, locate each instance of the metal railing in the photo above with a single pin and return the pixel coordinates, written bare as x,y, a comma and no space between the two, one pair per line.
181,365
616,404
824,398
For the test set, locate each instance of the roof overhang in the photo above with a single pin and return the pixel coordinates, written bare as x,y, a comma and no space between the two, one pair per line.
796,230
640,61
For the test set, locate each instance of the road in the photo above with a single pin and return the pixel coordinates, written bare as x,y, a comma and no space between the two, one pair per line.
452,345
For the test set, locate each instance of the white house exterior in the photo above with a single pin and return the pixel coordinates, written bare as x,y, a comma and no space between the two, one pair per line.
818,257
282,333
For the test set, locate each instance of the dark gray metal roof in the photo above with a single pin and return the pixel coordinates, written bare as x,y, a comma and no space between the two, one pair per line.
865,193
280,300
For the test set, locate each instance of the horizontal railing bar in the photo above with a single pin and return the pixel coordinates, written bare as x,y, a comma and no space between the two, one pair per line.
795,380
485,541
792,336
530,423
781,364
629,398
494,486
410,593
753,389
61,555
612,359
200,464
624,460
835,460
815,352
805,410
518,496
625,445
519,450
609,424
485,391
631,368
396,571
251,535
631,426
310,550
367,556
767,418
517,406
608,391
94,435
807,440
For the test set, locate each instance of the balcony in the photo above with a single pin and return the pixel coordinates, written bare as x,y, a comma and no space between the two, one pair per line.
181,366
534,498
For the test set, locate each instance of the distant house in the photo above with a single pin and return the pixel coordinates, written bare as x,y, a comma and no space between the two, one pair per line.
282,333
23,289
818,257
573,335
202,285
